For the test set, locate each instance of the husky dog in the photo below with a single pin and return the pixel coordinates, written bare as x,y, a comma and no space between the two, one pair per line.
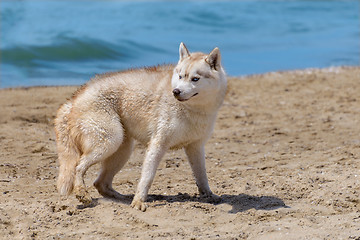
164,107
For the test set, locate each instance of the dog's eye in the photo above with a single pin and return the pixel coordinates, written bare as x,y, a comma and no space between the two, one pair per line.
180,77
195,79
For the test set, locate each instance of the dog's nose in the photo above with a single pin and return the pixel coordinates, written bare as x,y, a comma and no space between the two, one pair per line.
176,92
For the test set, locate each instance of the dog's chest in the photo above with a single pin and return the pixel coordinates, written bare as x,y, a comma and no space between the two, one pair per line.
187,131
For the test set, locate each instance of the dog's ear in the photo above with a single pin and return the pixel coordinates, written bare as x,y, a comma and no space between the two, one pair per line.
214,59
183,51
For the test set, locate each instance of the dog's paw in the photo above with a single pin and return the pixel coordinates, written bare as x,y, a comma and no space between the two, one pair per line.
107,191
139,205
211,198
83,196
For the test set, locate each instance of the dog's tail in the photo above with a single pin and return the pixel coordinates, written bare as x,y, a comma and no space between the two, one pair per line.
68,151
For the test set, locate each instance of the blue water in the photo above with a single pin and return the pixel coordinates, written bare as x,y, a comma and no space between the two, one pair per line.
66,42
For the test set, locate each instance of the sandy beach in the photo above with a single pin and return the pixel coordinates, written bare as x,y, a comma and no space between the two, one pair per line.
284,157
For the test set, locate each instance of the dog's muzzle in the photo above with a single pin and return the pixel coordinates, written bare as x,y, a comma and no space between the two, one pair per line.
177,93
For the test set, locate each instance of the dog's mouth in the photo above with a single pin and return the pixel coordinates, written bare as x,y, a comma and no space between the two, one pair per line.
185,99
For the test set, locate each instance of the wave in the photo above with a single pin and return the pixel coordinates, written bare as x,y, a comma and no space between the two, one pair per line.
74,49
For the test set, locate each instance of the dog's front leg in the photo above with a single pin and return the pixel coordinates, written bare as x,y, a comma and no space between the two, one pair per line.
196,155
154,153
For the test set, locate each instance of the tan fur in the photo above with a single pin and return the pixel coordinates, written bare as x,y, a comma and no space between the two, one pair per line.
101,121
67,150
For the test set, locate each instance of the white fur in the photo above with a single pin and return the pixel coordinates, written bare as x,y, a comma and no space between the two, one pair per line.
104,118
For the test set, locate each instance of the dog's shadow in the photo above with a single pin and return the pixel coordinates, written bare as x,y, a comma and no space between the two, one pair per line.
244,202
239,203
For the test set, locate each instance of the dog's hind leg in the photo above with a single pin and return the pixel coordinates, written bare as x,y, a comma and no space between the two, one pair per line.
86,161
98,145
111,166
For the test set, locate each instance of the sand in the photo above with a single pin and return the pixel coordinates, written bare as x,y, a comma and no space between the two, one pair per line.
284,157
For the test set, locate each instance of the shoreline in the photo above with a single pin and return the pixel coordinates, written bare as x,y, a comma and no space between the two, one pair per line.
305,71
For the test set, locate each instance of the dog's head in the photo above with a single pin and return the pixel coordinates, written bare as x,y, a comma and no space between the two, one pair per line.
198,77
